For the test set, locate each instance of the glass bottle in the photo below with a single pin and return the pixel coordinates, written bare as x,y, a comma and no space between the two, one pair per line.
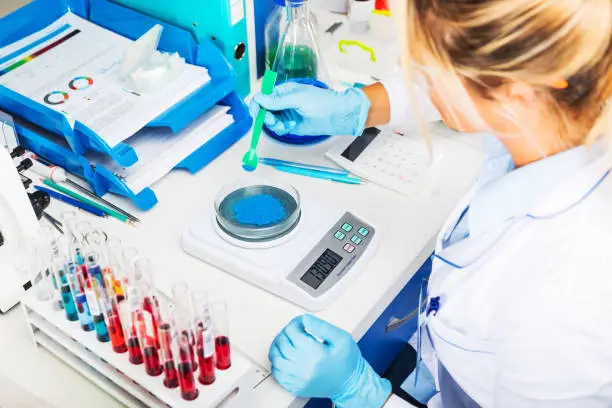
299,57
275,27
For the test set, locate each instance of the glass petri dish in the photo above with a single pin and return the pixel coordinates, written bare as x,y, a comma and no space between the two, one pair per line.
258,210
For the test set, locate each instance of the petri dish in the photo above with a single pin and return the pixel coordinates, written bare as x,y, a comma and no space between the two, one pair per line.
258,210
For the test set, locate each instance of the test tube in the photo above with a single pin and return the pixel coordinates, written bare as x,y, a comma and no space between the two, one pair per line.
152,362
82,228
221,329
131,325
129,256
69,220
92,293
77,255
114,273
67,298
180,296
165,341
94,270
186,371
47,253
205,342
113,321
143,272
32,262
77,284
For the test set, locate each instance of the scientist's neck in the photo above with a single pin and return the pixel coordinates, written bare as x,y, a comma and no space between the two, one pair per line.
538,143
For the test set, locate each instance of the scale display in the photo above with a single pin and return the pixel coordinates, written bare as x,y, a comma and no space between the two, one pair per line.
321,269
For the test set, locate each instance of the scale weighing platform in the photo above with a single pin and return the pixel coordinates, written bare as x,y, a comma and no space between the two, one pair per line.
310,261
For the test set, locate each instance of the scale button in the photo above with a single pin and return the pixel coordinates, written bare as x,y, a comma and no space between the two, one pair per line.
347,227
349,248
363,232
356,240
340,235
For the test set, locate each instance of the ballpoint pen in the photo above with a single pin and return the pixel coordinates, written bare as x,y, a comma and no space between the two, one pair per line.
277,162
71,201
340,178
87,201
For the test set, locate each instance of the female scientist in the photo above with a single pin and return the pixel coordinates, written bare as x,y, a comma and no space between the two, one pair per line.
519,303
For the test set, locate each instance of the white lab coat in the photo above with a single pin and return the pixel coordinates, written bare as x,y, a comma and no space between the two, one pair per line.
527,322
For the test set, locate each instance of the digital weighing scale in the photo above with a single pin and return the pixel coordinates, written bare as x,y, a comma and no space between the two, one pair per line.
310,262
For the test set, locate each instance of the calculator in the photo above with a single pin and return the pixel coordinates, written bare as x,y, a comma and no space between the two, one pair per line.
399,162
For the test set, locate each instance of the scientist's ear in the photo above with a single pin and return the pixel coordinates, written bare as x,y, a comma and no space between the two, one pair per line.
518,93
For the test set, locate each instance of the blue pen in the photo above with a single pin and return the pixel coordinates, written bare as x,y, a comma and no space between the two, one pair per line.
340,178
277,162
71,201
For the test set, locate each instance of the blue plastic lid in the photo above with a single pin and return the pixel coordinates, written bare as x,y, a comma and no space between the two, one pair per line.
280,3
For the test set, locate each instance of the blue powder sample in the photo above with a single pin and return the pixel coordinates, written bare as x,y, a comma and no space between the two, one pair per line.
259,210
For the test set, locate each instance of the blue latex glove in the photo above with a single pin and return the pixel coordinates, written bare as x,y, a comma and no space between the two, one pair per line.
313,359
306,110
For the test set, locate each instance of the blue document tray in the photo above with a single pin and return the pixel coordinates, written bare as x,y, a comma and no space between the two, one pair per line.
55,149
131,24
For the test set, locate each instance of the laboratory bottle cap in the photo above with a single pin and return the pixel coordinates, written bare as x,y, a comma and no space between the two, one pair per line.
293,3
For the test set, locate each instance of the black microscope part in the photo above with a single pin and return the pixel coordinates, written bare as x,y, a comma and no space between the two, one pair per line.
40,201
18,151
24,165
27,182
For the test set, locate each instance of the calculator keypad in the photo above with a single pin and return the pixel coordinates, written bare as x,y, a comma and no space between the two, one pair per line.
397,163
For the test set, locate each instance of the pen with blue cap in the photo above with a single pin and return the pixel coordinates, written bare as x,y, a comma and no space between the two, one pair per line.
268,161
325,175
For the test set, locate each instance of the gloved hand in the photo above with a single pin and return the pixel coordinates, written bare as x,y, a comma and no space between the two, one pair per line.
313,359
306,110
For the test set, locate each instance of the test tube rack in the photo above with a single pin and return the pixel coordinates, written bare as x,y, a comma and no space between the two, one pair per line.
129,383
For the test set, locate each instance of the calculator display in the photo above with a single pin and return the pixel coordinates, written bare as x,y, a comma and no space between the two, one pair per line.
359,145
321,269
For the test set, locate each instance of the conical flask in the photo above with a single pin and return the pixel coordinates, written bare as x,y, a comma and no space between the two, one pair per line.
299,57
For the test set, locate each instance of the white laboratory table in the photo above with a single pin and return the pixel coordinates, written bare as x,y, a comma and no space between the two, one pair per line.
407,228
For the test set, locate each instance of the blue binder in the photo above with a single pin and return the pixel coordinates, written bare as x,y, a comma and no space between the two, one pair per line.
78,140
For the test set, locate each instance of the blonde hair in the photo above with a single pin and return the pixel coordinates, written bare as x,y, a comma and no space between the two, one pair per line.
563,48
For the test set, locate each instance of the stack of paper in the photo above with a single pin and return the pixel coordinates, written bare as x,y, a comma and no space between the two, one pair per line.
159,150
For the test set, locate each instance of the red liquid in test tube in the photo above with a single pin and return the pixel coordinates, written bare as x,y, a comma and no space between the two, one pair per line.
116,334
147,306
149,350
205,343
221,329
134,349
222,349
207,367
187,381
170,373
151,361
113,321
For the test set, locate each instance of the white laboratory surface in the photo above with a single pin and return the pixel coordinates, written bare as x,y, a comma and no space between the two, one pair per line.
406,227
